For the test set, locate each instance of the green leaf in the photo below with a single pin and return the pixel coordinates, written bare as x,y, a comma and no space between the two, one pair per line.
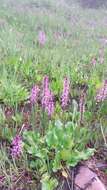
65,154
48,183
58,124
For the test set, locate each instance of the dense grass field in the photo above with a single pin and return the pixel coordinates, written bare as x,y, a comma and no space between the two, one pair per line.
53,90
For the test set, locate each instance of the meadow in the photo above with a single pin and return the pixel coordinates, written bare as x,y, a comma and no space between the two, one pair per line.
53,91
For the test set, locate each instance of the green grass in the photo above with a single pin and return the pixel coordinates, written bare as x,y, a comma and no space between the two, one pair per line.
21,23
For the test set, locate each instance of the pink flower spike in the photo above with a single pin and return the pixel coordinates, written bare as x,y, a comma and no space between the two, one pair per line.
42,38
93,61
45,83
102,93
34,94
16,147
82,105
101,56
65,93
47,97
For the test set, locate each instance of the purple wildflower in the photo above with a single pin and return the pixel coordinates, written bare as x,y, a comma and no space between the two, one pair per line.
9,112
45,83
65,93
93,61
47,98
102,93
34,94
57,36
82,105
42,38
16,146
101,56
2,178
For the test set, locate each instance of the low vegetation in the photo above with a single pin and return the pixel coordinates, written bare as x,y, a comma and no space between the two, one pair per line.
53,90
